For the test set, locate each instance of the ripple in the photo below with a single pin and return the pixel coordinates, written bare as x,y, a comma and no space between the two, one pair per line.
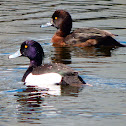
104,69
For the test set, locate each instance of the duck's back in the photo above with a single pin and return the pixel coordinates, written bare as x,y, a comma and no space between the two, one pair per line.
52,68
91,37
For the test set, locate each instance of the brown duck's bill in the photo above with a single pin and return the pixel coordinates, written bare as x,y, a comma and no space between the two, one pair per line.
46,25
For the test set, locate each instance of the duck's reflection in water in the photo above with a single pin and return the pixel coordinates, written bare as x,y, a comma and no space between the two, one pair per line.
31,106
61,55
64,54
93,51
30,97
67,90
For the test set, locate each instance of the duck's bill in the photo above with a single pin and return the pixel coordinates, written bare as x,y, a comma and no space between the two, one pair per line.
16,54
46,25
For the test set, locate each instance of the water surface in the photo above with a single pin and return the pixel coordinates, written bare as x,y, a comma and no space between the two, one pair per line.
102,104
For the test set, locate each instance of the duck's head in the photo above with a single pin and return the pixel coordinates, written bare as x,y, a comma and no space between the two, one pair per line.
62,20
32,50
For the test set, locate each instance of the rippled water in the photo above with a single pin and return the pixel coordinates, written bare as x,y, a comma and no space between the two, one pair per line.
102,104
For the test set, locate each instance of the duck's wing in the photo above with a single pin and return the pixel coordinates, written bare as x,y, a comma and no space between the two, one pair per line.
91,37
72,79
69,76
52,68
93,32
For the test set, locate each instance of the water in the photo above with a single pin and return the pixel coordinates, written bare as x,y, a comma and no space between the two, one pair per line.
103,103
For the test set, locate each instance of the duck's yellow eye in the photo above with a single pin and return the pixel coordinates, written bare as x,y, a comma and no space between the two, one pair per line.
56,18
26,46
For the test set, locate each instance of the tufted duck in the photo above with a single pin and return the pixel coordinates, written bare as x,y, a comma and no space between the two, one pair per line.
45,75
82,37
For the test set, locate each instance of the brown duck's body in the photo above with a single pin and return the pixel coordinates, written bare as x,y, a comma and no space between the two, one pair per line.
62,20
83,37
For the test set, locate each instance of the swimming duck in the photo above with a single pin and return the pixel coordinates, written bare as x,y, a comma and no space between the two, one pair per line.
82,37
45,75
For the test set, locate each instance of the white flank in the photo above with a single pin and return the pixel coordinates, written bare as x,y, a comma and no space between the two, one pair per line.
45,81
